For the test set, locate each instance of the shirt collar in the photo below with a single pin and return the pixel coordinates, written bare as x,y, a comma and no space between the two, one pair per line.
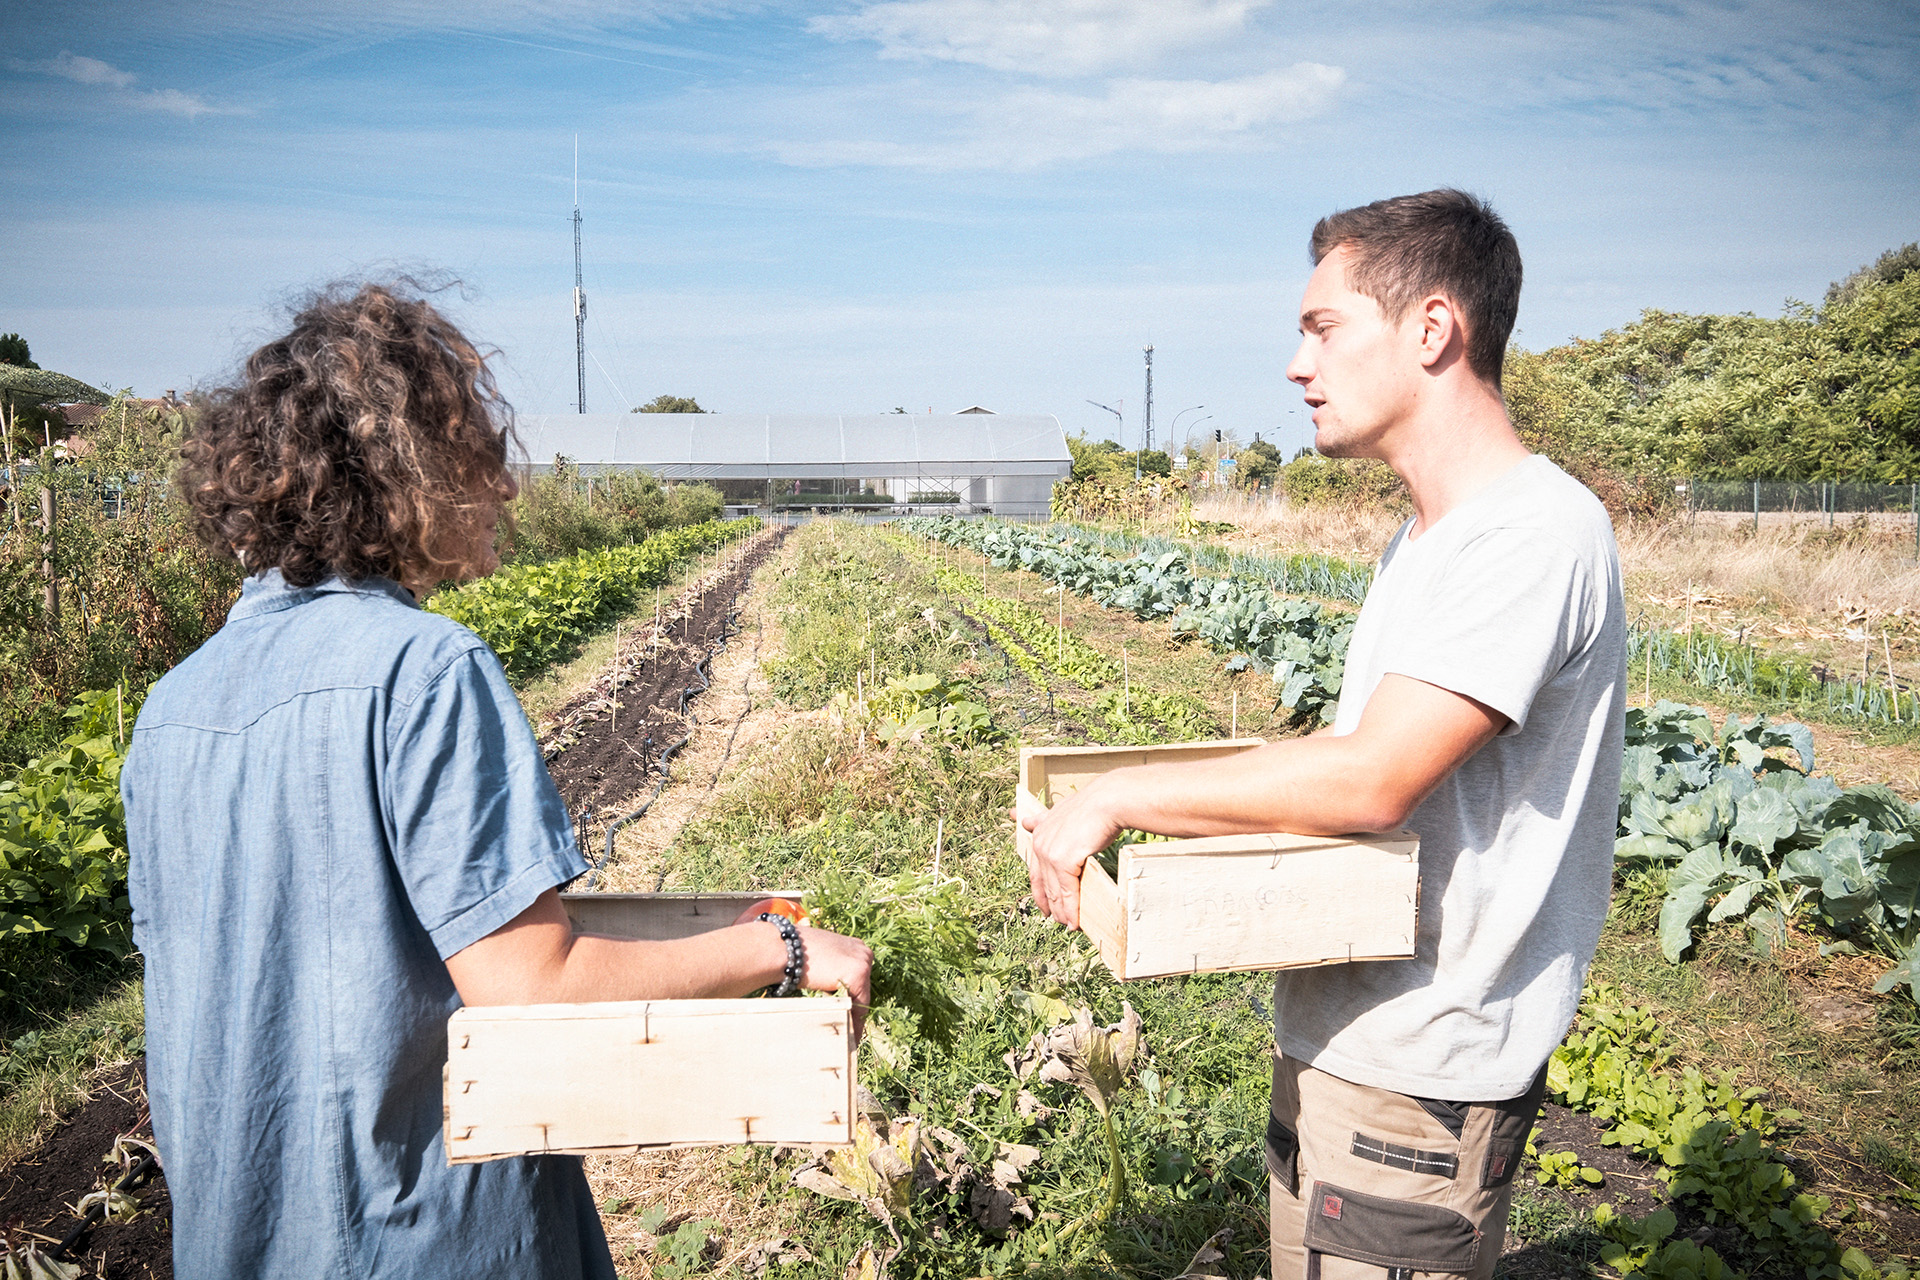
268,591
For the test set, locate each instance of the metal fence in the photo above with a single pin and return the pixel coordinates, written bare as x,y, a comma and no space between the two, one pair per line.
1824,498
1890,507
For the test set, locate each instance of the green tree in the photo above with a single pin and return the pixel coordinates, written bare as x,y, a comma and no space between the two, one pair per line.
13,350
1889,268
671,404
1827,394
1259,463
1098,460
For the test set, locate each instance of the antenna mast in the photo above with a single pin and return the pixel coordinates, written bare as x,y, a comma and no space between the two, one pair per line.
1146,415
579,293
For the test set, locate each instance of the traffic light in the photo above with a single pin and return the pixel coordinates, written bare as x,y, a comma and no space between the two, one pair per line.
1216,435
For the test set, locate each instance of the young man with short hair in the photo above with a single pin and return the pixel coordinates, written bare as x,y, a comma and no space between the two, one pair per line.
1482,707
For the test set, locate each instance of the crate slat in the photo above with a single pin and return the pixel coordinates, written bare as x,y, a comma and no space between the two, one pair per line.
660,917
620,1076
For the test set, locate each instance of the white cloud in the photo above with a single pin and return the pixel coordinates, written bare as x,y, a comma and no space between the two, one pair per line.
88,71
92,71
174,102
1040,37
1032,128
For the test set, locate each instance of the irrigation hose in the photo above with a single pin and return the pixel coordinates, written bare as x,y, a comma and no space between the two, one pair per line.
132,1178
702,670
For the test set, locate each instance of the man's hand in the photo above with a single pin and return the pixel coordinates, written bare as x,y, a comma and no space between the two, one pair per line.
1064,837
835,961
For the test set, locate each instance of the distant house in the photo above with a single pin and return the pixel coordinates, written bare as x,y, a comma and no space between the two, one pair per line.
85,415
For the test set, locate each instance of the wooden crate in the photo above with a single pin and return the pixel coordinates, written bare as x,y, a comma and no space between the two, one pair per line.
1232,902
624,1075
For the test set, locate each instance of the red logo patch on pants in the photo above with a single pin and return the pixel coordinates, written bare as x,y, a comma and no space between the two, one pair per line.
1497,1167
1329,1206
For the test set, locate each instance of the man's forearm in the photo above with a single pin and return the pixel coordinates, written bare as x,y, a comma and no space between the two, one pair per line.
1322,785
719,965
588,967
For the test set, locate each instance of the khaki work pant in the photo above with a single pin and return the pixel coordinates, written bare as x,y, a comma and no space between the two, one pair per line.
1364,1180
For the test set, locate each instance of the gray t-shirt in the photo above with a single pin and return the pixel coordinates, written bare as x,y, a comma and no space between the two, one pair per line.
1513,599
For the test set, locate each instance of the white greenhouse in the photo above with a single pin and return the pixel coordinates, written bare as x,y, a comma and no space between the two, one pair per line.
978,461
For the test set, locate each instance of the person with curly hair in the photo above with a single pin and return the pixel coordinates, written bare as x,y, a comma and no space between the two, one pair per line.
342,830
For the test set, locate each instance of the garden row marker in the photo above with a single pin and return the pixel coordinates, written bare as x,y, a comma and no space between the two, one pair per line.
1892,687
613,684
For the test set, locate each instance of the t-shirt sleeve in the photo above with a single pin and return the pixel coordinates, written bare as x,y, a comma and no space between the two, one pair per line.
479,831
1498,622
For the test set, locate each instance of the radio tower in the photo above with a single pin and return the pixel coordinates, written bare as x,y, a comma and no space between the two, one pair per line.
579,293
1146,415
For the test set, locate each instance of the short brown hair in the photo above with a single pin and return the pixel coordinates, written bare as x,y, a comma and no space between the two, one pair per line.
358,444
1444,241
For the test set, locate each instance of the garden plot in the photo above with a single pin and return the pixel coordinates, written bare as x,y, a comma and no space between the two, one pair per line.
607,741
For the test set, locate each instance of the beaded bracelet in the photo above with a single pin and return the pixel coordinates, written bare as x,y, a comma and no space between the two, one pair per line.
796,956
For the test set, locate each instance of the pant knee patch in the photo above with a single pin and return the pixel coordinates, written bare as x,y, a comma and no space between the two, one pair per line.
1389,1233
1283,1155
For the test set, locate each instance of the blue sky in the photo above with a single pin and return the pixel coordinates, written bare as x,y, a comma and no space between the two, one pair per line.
927,203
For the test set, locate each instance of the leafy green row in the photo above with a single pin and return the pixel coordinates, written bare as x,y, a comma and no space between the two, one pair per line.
1302,643
533,615
1064,652
1711,662
1732,823
63,838
1017,653
1709,1136
918,706
1304,574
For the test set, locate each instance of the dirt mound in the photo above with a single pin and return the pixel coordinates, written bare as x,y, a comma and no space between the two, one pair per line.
601,756
38,1192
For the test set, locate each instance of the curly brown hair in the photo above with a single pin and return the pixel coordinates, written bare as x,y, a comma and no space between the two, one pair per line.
370,441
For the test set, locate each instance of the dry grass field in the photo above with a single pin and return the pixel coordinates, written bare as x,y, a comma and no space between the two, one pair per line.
1847,596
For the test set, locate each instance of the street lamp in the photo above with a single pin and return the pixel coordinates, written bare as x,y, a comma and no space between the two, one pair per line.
1188,439
1175,424
1120,432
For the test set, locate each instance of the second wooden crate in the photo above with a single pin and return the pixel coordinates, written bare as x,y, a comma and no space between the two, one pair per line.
1226,903
623,1075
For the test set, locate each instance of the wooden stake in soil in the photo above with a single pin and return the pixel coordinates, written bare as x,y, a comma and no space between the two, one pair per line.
1893,689
1126,684
119,715
1649,698
1234,732
939,835
613,685
1060,627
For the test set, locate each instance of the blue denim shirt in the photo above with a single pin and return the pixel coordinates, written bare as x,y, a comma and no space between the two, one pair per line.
331,796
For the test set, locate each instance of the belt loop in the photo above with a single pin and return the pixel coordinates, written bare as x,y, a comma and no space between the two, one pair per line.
1313,1264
